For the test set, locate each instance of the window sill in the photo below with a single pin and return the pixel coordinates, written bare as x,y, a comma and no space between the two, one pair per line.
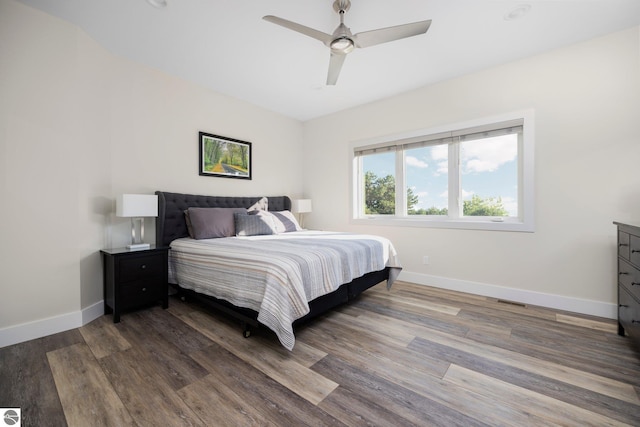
507,224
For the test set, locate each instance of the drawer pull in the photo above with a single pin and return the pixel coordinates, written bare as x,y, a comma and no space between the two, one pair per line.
635,321
144,289
622,273
623,244
143,266
633,251
635,283
623,306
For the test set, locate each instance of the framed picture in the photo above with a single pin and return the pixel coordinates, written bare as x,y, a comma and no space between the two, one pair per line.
224,157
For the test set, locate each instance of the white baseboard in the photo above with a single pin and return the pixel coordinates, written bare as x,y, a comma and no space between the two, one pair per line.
51,325
559,302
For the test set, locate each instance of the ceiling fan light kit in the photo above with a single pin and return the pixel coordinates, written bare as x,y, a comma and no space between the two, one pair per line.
342,41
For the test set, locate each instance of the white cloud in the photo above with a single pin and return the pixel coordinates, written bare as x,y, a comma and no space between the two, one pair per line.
440,154
414,161
487,155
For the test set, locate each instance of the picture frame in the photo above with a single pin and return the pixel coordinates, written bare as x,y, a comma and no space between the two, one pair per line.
224,157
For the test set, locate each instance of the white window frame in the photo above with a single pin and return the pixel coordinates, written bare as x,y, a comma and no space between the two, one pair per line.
523,223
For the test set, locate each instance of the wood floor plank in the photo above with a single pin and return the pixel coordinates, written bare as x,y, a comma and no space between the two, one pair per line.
219,405
26,380
278,365
411,407
429,320
85,392
253,394
610,326
541,407
172,329
606,386
131,372
385,334
584,397
596,358
170,360
103,338
408,373
419,304
395,363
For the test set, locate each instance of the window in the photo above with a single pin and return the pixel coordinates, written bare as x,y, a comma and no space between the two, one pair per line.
476,175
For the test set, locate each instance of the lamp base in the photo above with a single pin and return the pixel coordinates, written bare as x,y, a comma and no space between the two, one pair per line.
139,246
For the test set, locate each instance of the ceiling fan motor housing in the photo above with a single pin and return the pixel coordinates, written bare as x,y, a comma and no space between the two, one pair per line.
341,6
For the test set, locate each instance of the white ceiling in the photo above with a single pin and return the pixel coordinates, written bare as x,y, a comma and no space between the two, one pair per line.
226,46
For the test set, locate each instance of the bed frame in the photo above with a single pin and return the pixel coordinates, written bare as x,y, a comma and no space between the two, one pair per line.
171,225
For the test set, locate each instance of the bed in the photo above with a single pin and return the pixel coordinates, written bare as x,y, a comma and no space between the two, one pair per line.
275,280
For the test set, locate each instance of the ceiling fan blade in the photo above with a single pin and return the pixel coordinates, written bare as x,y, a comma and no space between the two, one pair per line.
384,35
318,35
335,65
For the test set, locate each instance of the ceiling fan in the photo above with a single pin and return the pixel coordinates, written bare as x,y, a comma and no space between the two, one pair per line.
341,42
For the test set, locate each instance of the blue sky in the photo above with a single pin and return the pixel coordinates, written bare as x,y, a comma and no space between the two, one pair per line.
489,169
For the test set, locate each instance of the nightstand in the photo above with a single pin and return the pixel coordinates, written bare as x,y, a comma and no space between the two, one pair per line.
134,278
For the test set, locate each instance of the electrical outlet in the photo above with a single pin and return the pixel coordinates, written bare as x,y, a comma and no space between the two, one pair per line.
425,260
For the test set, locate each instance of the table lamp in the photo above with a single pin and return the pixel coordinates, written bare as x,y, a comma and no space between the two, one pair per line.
301,206
137,207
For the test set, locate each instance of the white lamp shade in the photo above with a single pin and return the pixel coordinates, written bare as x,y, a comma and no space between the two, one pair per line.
137,205
301,206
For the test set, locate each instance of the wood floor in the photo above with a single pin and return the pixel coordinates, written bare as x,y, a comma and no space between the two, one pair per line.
414,355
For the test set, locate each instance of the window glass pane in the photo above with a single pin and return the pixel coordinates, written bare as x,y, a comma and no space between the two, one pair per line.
489,176
426,170
379,171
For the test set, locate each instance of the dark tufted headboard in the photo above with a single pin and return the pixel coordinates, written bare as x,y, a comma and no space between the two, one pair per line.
171,225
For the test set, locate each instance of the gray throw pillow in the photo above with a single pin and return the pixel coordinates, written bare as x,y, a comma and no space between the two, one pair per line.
209,223
254,225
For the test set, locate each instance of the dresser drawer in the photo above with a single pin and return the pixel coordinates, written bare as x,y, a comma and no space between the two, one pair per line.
634,249
135,268
629,277
628,312
623,244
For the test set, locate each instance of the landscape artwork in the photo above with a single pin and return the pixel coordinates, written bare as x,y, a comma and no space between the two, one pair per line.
224,157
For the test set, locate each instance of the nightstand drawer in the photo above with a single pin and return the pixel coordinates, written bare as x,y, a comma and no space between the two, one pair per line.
139,267
629,277
140,293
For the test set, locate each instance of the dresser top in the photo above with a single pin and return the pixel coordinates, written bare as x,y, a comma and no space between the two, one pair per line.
629,228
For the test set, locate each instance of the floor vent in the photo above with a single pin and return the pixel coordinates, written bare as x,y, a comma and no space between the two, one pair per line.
519,304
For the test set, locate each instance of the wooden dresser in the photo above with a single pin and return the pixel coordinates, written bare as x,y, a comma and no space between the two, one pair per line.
629,280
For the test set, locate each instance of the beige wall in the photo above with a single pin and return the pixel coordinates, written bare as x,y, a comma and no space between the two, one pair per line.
78,126
586,99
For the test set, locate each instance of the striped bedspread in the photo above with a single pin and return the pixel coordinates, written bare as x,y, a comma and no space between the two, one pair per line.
278,275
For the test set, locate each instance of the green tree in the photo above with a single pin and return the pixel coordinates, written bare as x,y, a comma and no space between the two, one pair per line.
431,211
478,206
380,195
